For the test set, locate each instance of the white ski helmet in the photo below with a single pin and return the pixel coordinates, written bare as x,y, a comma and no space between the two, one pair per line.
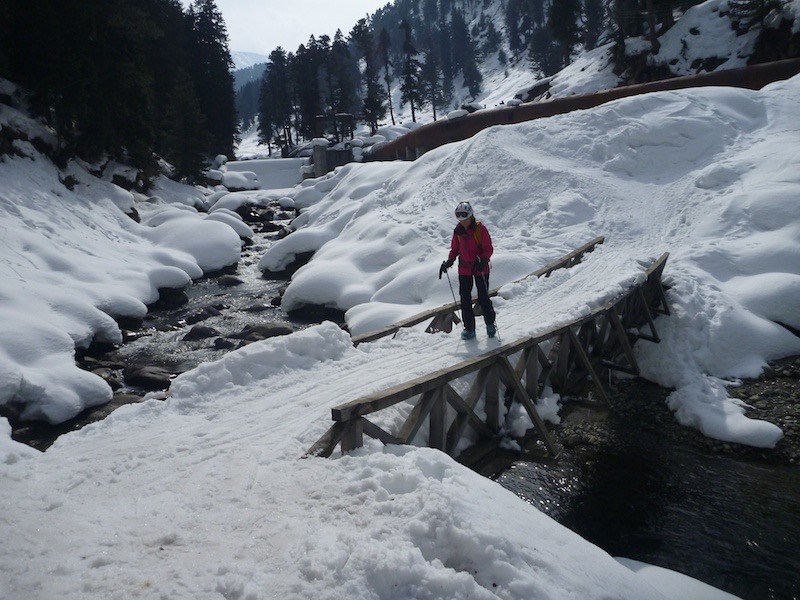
463,210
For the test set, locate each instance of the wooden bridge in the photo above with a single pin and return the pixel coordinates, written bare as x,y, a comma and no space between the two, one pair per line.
564,358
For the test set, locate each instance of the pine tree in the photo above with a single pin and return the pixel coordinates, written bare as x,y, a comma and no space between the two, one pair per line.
431,74
563,25
465,54
342,65
594,22
544,53
411,84
384,48
275,100
373,107
492,43
247,102
512,19
185,133
211,71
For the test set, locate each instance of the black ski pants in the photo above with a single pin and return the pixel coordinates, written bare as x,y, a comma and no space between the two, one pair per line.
465,291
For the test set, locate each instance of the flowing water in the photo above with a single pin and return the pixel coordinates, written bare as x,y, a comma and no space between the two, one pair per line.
732,523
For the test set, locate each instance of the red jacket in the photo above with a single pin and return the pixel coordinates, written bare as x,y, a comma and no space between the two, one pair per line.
470,243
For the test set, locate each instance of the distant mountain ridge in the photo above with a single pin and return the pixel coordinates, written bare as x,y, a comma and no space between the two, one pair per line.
243,60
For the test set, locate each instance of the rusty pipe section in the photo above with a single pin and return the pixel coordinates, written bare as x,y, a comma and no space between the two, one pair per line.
429,136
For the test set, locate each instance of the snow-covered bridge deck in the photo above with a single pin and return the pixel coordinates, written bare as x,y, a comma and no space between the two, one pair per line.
563,330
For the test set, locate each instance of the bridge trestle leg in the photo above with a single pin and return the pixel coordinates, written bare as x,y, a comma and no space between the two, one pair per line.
510,380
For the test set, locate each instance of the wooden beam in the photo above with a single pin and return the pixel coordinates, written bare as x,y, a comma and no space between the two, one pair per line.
414,421
391,396
492,399
532,373
462,418
377,433
506,373
584,358
353,436
649,319
437,422
325,445
622,337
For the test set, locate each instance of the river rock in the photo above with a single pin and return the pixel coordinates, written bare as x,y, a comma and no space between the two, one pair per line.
148,378
200,332
258,307
203,314
171,297
111,376
222,343
229,281
255,333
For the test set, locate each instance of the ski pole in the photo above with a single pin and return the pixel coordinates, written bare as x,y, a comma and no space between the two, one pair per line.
452,292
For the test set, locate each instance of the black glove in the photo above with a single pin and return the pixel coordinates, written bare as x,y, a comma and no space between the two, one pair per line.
480,264
446,264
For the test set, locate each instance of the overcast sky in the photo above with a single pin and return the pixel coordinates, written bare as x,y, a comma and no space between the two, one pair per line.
262,25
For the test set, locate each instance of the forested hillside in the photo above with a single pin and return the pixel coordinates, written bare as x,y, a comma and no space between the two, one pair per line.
129,79
436,53
140,80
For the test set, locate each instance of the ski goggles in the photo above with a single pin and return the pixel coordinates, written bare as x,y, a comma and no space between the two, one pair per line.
462,215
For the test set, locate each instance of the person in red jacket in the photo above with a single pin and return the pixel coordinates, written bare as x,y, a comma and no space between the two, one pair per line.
472,244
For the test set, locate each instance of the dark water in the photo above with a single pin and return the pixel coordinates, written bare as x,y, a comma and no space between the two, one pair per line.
250,303
160,341
730,523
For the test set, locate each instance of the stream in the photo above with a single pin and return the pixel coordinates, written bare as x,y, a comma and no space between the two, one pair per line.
639,485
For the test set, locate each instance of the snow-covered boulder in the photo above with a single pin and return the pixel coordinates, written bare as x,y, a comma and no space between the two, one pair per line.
237,181
457,114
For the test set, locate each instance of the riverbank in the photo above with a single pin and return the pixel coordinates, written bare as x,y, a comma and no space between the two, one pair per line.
635,482
773,397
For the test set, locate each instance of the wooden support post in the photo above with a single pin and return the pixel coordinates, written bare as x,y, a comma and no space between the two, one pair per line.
320,156
532,373
492,400
622,336
325,445
649,316
437,422
377,433
547,367
460,422
561,366
510,380
584,358
353,435
663,297
417,416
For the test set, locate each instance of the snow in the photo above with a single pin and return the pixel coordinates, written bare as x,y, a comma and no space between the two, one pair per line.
202,492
